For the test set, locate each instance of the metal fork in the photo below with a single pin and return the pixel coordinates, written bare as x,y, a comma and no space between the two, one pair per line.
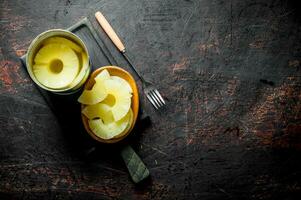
150,91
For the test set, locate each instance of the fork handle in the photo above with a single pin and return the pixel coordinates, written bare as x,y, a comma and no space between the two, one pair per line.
117,42
109,31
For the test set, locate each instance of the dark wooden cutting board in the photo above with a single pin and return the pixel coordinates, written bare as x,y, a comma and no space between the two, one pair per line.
67,109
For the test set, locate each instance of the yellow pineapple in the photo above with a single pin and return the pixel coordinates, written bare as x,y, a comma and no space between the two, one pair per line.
97,110
103,75
120,96
108,106
61,40
131,118
98,91
123,82
106,128
82,70
56,65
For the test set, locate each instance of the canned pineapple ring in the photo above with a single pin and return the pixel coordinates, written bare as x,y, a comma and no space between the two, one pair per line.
51,65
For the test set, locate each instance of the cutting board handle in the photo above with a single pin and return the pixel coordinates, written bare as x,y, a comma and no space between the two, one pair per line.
135,165
109,31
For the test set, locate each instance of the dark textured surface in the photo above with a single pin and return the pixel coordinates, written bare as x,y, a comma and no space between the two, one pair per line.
230,71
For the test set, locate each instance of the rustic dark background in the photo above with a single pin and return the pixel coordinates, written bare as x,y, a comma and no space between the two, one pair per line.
230,71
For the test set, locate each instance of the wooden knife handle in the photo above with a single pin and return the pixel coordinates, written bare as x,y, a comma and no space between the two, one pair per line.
110,31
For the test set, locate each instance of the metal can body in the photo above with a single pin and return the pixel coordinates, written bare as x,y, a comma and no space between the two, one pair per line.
84,71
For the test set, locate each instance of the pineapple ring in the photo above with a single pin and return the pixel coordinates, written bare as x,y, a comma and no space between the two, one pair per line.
97,110
122,98
123,82
98,91
106,127
82,71
61,40
56,66
130,122
103,111
104,75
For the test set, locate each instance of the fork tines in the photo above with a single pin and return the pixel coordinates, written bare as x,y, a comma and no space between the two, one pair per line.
155,98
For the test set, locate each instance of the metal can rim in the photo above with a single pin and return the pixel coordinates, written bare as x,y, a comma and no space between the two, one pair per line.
37,40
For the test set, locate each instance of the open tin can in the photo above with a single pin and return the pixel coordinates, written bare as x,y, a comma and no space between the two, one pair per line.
84,63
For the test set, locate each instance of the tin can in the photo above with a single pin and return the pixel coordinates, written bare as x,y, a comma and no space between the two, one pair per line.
83,73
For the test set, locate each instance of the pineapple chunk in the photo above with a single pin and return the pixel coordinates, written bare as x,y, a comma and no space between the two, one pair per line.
98,110
98,92
50,79
56,66
121,96
126,130
109,129
103,75
93,96
61,40
56,51
123,82
82,71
